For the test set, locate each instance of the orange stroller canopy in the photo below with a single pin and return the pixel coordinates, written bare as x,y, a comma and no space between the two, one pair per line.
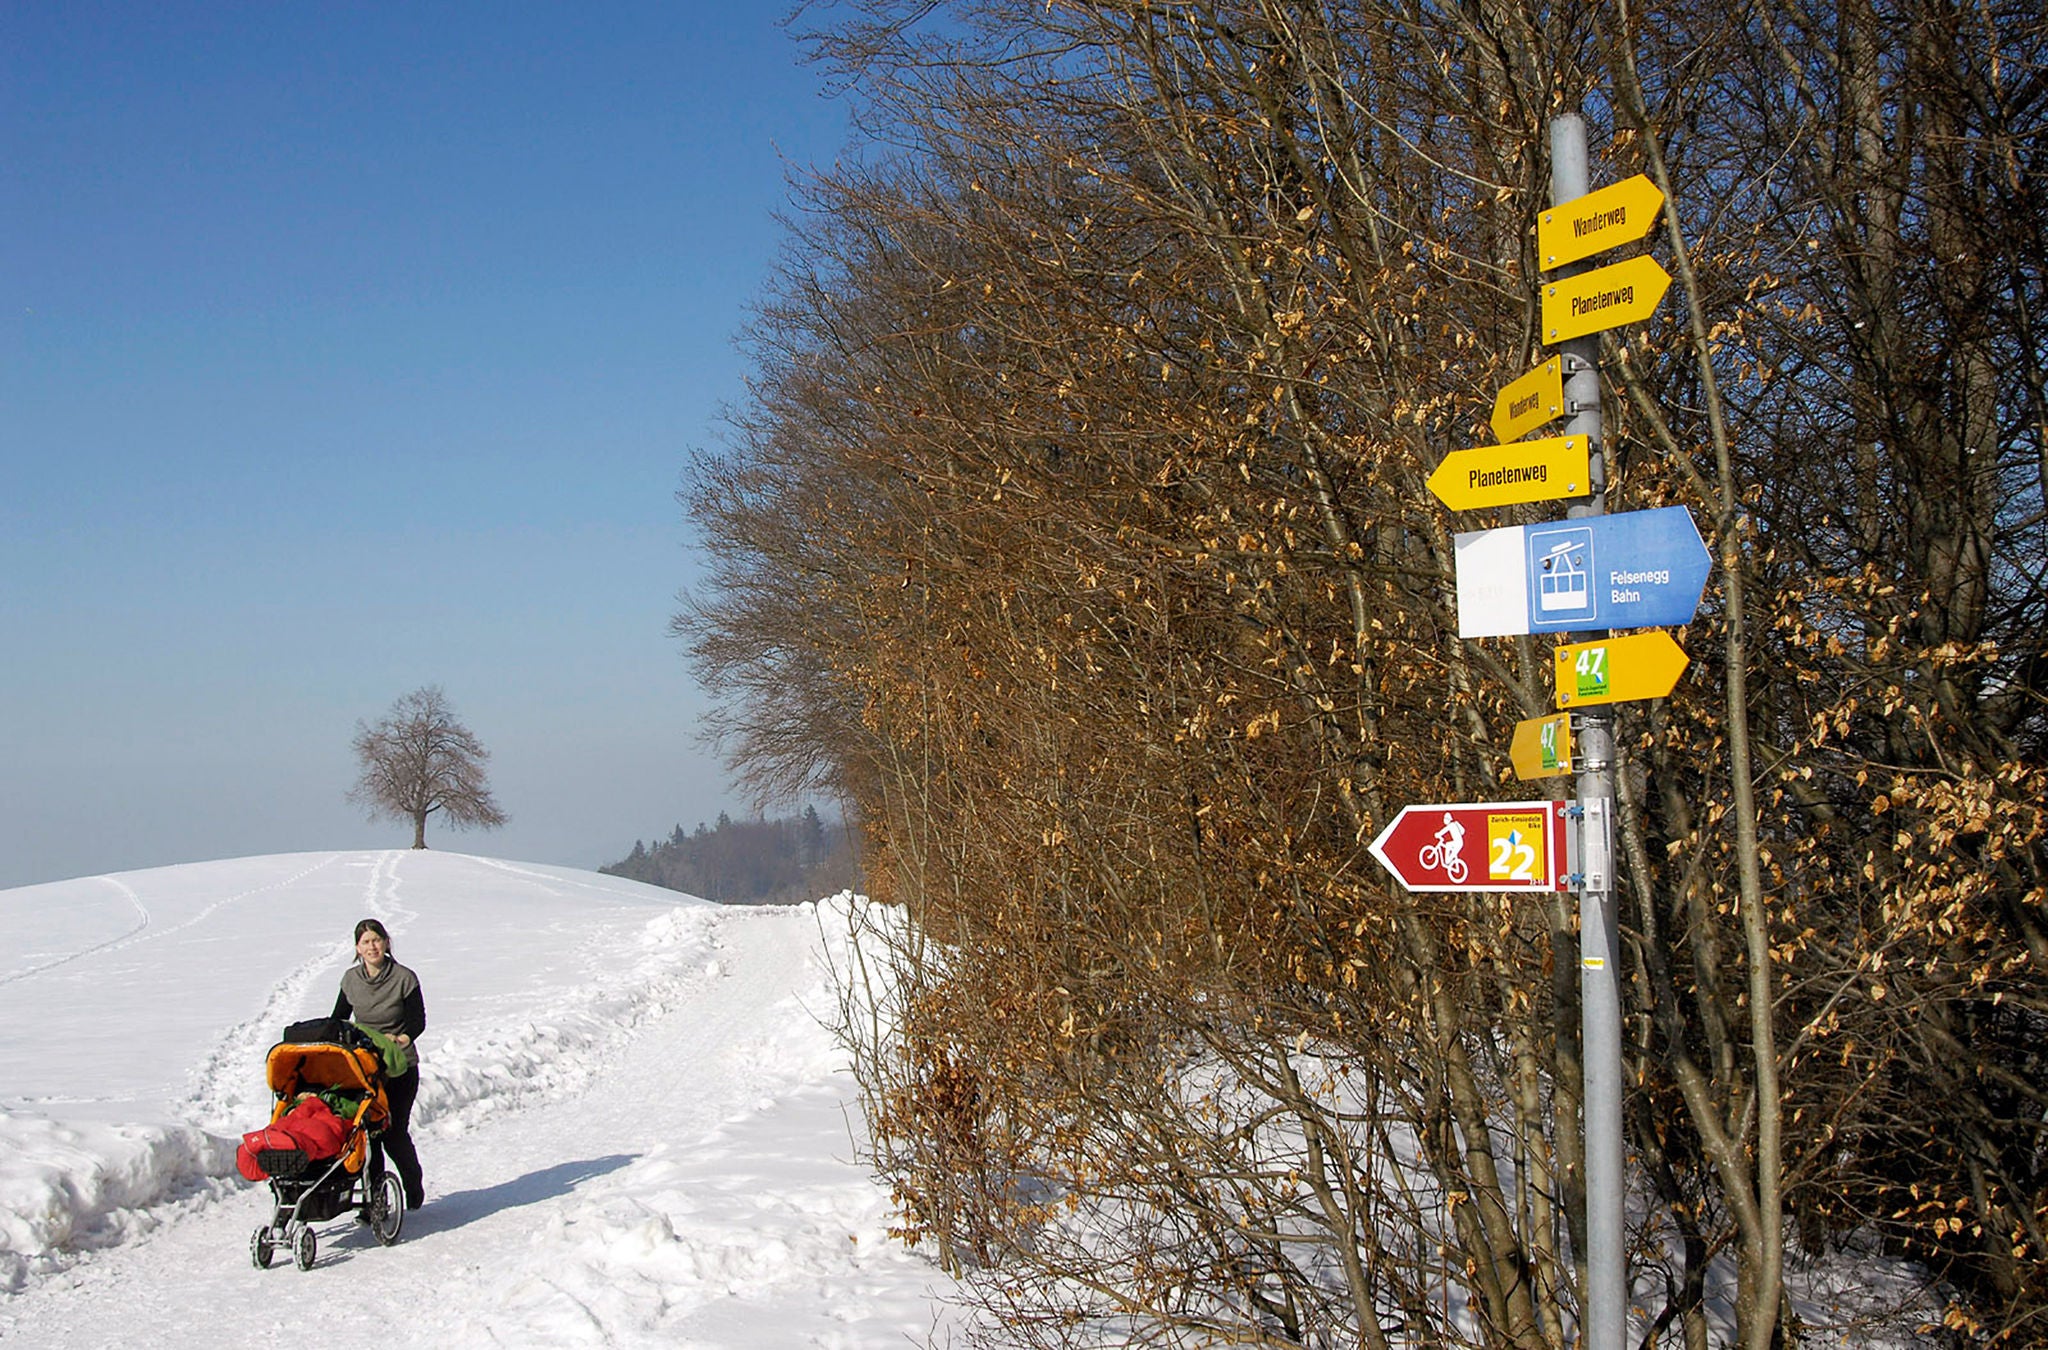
294,1067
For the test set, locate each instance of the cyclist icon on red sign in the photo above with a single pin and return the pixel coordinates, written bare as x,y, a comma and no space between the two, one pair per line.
1450,842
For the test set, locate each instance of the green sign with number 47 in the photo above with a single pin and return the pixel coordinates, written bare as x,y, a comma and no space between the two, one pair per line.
1591,671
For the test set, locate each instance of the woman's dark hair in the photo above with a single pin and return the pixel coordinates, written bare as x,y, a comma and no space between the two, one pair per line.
373,926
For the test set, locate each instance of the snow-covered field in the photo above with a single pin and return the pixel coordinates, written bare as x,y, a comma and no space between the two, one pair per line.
635,1129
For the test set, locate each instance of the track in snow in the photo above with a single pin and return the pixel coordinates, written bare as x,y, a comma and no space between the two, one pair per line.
651,1205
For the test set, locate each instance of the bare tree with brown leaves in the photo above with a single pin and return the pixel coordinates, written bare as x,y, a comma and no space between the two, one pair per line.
1076,530
419,760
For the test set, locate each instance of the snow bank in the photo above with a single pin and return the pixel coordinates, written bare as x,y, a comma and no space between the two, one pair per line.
749,1235
700,1241
68,1188
475,1072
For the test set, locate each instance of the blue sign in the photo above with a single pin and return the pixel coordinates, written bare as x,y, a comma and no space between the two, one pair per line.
1637,569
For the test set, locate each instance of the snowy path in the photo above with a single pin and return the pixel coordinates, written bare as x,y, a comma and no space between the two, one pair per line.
694,1190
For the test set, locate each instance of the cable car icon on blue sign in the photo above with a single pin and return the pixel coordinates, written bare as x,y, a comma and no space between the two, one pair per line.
1561,572
1633,569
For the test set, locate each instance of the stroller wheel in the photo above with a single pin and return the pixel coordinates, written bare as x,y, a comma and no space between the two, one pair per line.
387,1207
260,1248
303,1247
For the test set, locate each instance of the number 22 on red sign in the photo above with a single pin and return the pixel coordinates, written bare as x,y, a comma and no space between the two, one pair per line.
1515,848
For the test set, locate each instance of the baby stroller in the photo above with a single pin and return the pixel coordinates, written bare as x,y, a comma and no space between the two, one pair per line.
328,1078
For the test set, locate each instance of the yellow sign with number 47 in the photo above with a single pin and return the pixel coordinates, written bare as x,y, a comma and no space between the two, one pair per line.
1542,746
1618,669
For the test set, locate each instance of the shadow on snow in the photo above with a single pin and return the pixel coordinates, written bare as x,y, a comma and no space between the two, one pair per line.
443,1213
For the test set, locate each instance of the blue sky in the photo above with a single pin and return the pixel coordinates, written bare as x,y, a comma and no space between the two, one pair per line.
348,349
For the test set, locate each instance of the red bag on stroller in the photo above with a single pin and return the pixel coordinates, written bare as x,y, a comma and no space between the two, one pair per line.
310,1129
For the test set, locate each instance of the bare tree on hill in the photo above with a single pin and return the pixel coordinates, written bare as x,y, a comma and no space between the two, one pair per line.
419,759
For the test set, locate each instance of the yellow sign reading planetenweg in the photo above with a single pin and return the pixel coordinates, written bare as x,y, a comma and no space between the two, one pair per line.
1606,297
1503,475
1616,214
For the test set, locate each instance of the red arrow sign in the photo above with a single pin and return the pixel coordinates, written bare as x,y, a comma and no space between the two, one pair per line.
1488,846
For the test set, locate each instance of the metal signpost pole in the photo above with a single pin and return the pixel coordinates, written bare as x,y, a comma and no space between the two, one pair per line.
1605,1307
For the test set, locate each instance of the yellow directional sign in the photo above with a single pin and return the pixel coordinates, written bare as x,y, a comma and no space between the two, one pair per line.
1531,401
1606,297
1583,226
1542,746
1502,475
1617,669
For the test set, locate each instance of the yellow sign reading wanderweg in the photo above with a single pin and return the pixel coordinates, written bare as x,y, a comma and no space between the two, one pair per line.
1616,214
1529,402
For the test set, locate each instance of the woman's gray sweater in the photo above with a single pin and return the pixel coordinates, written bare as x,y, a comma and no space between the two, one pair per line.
391,1003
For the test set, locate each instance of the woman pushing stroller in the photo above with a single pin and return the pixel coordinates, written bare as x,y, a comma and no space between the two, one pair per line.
384,996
